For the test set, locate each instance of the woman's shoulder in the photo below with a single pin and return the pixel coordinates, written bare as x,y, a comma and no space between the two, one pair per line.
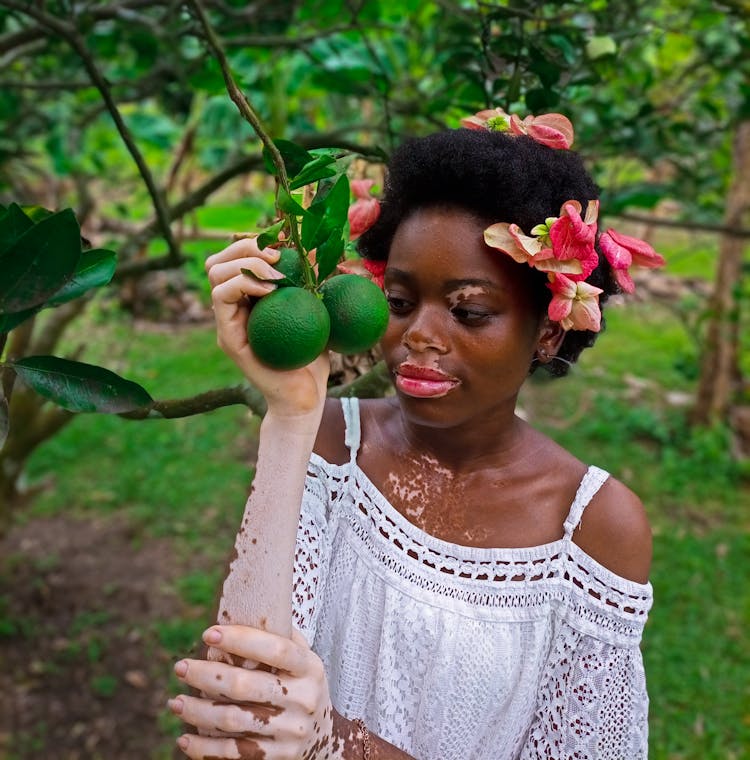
615,531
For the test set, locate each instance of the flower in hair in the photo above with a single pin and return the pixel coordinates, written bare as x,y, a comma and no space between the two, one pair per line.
551,129
564,247
574,304
365,210
562,243
623,251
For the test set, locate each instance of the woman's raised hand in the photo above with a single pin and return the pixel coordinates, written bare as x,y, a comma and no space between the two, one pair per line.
289,393
277,712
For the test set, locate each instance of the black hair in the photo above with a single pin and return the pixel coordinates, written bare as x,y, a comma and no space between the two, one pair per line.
497,177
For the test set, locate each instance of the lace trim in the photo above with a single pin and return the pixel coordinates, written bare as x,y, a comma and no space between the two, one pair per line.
524,580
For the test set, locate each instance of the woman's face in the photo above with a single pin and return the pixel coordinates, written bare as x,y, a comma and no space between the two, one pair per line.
463,329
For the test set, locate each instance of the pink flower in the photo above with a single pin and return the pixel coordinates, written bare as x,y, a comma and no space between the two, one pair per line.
376,270
623,251
572,237
491,119
551,129
364,212
574,304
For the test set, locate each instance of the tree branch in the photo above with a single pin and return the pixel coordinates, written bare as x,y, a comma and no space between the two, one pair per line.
72,36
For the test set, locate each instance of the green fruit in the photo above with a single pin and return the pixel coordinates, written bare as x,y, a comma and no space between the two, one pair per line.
288,328
290,265
358,311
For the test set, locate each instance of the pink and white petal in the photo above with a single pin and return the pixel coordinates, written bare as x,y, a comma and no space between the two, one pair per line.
570,267
559,309
585,314
624,280
559,123
617,255
643,255
472,122
362,215
592,212
361,188
517,127
548,136
499,236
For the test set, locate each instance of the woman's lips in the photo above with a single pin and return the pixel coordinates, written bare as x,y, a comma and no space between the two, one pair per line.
424,382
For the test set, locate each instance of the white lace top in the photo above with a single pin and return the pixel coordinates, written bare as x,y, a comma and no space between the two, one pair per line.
461,653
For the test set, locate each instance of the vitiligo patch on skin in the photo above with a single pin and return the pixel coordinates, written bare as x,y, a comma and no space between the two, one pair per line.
456,297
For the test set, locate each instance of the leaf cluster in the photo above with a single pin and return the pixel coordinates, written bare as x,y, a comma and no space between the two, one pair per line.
46,263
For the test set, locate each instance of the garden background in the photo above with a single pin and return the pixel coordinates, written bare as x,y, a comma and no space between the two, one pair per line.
114,532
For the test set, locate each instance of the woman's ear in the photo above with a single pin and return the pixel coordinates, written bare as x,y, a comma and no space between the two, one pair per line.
551,336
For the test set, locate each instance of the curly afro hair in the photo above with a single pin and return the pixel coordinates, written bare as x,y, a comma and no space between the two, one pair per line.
497,177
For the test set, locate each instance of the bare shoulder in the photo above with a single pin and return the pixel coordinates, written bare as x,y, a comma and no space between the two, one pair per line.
330,443
615,531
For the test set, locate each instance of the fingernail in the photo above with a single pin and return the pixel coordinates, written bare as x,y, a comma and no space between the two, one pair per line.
181,669
212,636
183,743
175,705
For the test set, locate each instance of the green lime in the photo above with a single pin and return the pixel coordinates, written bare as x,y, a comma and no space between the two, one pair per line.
290,265
358,311
288,328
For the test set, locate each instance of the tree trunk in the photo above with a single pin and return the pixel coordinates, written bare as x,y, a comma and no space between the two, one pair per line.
720,376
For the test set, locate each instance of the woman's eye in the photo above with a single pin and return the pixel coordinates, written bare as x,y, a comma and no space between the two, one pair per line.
470,316
397,305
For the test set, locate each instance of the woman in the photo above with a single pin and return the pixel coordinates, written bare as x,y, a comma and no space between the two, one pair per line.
450,599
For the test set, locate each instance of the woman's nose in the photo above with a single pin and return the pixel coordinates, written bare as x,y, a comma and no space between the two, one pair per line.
423,333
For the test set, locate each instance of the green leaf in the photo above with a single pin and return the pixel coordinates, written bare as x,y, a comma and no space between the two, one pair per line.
327,212
329,253
270,236
332,201
294,156
80,387
319,168
13,223
96,267
288,205
9,322
39,262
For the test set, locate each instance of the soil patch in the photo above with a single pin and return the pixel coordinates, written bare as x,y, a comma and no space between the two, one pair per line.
82,673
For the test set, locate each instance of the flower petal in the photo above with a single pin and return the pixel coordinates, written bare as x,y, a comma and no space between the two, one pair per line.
362,215
361,188
553,130
509,239
376,270
642,253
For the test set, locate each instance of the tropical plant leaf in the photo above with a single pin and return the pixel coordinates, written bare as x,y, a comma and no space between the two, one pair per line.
329,253
95,268
270,236
288,205
13,223
80,387
326,213
9,322
317,169
39,262
295,157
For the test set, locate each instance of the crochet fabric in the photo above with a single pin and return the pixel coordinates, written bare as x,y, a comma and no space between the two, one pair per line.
461,653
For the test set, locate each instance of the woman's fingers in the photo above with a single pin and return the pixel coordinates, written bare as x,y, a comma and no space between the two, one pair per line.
199,747
221,681
247,247
235,718
226,270
258,645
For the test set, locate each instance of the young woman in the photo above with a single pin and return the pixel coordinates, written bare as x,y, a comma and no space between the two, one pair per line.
464,588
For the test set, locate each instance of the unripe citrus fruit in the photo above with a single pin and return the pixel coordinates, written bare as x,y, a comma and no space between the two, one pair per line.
289,264
358,311
288,328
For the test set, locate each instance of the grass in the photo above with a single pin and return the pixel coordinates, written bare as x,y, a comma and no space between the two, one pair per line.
620,408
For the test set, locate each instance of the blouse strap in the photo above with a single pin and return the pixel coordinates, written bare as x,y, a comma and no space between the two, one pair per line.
590,484
353,435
